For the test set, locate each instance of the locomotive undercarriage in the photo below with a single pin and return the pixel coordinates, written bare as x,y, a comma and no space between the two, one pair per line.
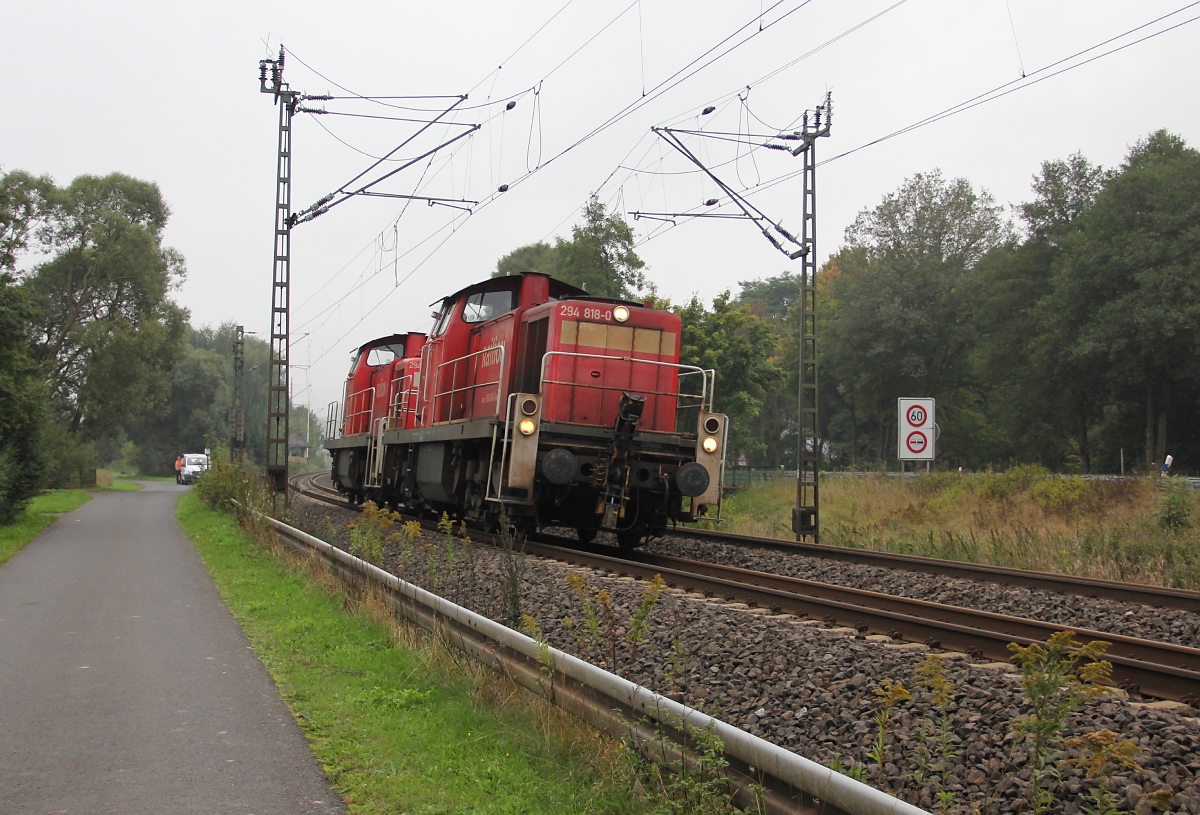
628,483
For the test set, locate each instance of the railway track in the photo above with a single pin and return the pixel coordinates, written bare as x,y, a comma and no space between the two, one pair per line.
1155,669
1153,596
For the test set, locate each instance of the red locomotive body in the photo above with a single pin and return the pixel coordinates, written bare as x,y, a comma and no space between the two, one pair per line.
532,399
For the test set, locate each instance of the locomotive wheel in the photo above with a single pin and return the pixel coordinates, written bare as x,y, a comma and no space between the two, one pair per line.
586,535
628,539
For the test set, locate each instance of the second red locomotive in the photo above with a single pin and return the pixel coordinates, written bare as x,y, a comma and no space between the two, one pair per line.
530,398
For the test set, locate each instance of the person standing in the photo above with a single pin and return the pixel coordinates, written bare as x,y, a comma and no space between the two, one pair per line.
178,468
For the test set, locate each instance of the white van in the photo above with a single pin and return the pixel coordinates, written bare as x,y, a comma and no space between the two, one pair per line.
193,465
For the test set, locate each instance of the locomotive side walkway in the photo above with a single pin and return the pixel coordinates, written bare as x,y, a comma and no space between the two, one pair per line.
125,684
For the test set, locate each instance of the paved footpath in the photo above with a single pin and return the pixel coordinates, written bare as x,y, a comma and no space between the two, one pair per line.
125,684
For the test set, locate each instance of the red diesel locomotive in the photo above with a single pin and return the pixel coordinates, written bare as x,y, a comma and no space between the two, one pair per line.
532,399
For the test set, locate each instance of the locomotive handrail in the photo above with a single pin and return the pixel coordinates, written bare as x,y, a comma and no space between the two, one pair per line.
399,409
332,429
708,378
471,386
353,415
374,462
505,439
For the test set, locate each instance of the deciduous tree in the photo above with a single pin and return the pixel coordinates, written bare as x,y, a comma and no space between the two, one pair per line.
22,400
908,291
740,347
599,257
108,332
1130,279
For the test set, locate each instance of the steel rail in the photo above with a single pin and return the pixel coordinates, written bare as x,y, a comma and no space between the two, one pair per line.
1156,669
1154,596
761,773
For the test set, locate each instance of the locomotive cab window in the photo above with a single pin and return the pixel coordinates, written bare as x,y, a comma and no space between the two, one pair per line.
381,355
486,305
440,318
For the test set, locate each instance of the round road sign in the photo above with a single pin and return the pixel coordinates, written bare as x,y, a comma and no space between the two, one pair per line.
916,441
916,417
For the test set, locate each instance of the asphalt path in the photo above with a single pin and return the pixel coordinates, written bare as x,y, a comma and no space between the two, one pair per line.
125,684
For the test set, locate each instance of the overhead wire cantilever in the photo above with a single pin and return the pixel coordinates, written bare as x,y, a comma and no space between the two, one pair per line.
342,194
815,125
672,137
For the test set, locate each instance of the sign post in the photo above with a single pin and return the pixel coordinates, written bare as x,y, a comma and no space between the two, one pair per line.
917,432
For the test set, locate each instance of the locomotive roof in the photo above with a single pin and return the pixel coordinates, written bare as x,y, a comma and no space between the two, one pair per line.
389,340
558,288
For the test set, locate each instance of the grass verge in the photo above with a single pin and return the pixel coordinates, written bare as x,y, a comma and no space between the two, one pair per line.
106,480
398,725
40,513
1144,531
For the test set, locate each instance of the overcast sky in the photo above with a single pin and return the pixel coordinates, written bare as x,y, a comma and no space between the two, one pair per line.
169,93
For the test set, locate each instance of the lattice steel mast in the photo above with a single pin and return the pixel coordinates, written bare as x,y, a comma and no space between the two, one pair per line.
278,398
237,411
805,515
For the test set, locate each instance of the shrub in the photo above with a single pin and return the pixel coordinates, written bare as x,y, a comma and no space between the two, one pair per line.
1173,508
1062,495
225,479
366,533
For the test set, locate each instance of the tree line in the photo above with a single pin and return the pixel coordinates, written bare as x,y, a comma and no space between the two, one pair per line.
1064,336
97,362
1068,338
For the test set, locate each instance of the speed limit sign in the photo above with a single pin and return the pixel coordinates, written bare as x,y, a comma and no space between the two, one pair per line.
917,430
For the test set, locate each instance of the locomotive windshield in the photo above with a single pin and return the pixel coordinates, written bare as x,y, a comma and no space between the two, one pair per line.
440,318
486,305
384,354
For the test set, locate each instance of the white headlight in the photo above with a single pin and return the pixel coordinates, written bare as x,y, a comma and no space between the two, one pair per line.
621,313
709,444
527,427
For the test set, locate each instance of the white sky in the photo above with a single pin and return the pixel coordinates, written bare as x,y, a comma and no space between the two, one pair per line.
169,92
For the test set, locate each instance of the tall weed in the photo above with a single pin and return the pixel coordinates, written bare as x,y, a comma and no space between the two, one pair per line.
1139,530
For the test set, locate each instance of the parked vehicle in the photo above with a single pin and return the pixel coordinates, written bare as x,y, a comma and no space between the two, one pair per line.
194,465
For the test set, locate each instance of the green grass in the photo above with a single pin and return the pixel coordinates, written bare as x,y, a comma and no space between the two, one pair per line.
122,485
40,513
1144,531
397,730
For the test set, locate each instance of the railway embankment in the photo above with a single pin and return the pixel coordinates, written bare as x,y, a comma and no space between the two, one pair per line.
865,705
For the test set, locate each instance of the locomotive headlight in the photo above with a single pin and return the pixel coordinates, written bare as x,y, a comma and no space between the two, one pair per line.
621,313
526,426
709,444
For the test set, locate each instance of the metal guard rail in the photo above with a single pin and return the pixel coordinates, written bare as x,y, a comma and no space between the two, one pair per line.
613,704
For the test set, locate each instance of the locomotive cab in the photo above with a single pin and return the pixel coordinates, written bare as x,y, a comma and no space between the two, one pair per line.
620,431
380,393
